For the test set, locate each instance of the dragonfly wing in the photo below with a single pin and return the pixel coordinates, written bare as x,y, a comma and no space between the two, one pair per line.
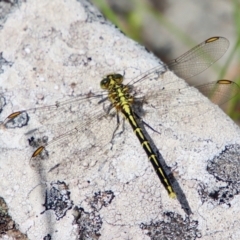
179,104
220,91
74,147
152,74
191,63
66,136
67,110
199,58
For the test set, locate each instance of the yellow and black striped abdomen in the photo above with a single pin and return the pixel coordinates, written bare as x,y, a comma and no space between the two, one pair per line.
127,112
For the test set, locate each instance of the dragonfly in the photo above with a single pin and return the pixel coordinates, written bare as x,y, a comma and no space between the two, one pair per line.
80,133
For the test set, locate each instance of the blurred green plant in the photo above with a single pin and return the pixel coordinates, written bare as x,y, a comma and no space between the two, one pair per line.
234,107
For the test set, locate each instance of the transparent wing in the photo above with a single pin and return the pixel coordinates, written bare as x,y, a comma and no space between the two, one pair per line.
65,110
199,58
67,136
72,150
191,63
221,91
169,102
153,73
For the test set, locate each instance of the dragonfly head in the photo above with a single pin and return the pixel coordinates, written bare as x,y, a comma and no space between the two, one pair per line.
111,80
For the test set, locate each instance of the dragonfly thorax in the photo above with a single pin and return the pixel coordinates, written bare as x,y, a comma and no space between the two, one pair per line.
118,93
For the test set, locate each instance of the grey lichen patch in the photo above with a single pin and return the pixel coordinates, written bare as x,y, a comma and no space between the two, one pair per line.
226,166
17,122
58,199
37,142
174,226
8,6
90,223
8,228
222,195
101,199
226,169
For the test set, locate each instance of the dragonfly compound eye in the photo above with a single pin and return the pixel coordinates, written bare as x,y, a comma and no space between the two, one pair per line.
105,83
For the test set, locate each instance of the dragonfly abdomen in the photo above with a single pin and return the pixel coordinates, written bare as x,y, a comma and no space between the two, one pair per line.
129,115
